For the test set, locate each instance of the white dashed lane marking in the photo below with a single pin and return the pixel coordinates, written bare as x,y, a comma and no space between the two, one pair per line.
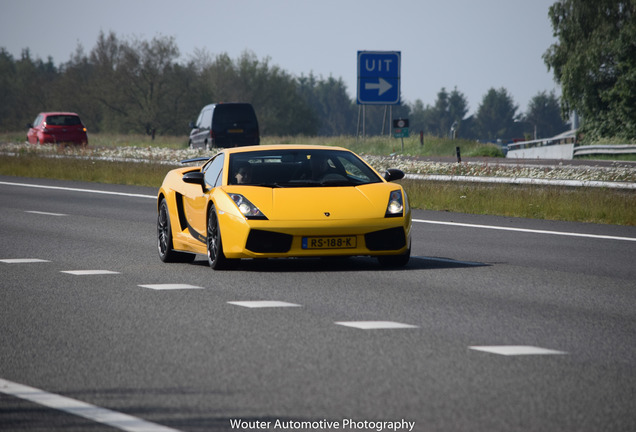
516,350
505,350
170,286
375,325
263,304
44,213
89,272
23,260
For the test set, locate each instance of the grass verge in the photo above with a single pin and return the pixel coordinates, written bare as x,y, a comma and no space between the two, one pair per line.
594,205
128,173
597,205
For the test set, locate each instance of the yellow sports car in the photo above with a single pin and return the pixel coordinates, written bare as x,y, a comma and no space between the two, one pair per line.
282,201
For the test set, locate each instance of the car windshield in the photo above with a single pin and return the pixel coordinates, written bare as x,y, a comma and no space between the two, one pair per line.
63,120
299,168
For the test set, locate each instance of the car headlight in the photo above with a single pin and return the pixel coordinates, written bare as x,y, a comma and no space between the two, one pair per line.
249,210
395,208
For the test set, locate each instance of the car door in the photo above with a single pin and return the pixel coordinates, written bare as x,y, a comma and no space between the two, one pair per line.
196,204
32,134
201,135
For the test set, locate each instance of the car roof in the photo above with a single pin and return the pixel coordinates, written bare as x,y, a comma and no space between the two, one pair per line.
59,113
257,148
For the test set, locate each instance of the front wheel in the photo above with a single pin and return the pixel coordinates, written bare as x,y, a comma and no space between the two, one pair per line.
395,260
216,257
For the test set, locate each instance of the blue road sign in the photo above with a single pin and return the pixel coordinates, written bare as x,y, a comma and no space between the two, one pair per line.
379,77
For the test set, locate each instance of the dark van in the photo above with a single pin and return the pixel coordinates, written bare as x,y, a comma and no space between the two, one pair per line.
225,125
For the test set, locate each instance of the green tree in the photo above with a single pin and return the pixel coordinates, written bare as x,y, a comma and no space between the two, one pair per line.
74,89
421,117
544,116
108,90
328,99
594,60
280,109
448,112
32,84
456,111
495,118
148,68
9,94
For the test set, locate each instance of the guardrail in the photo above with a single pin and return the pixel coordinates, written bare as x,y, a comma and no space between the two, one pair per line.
558,147
523,181
604,150
540,151
564,146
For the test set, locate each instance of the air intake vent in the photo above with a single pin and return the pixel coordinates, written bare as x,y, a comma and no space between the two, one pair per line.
389,239
268,242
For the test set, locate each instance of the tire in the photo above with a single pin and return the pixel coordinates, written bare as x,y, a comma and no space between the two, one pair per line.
164,238
216,257
395,261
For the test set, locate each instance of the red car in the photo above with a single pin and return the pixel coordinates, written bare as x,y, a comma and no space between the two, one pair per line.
57,127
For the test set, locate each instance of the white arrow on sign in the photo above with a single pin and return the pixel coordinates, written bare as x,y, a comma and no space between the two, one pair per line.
382,86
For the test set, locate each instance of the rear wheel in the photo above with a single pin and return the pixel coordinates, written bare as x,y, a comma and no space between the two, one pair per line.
164,238
216,257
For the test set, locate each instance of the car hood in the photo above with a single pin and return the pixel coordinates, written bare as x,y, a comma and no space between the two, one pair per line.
318,203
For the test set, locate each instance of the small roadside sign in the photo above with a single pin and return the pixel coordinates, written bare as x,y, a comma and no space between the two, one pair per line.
401,133
401,128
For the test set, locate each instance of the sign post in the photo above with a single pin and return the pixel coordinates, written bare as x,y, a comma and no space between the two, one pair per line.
378,80
401,129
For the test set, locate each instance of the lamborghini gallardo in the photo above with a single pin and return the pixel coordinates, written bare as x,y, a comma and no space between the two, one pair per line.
280,201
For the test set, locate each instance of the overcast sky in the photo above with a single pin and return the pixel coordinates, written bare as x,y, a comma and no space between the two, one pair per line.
473,45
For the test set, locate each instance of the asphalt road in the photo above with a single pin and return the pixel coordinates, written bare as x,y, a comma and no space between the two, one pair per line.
497,324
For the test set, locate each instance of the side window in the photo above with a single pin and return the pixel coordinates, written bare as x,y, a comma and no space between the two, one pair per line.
206,119
213,171
198,123
353,170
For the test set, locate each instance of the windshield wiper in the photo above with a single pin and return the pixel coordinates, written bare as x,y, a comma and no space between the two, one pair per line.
336,182
269,185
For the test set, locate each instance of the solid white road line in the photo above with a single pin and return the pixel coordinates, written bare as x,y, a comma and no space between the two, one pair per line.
104,416
414,220
79,190
561,233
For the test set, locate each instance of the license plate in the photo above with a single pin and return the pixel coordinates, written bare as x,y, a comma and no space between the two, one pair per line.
342,242
235,130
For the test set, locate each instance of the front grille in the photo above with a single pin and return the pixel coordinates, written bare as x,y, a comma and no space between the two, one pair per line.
388,239
268,242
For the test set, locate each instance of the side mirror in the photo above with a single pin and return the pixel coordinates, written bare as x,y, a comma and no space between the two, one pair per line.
192,125
29,125
194,177
393,174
